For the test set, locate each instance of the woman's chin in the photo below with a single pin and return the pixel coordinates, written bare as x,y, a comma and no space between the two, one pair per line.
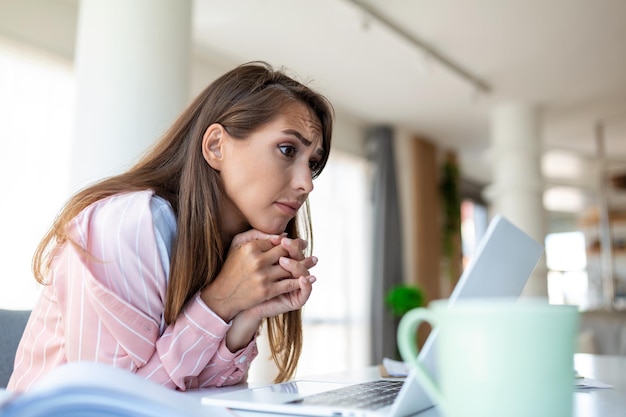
271,229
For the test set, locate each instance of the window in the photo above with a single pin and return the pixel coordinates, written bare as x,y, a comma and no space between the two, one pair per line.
36,105
336,318
474,223
567,268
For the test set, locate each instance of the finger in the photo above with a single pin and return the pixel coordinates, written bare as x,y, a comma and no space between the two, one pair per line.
309,262
303,283
251,235
264,246
277,273
276,240
273,253
295,247
282,287
295,268
306,287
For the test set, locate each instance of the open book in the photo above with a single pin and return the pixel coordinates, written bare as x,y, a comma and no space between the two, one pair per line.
93,390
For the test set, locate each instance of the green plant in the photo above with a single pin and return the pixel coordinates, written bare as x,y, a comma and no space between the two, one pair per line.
402,298
451,202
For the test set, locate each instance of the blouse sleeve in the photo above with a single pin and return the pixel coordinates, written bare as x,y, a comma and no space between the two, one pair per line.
124,282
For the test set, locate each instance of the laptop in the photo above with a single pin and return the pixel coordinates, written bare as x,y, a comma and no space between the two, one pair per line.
503,261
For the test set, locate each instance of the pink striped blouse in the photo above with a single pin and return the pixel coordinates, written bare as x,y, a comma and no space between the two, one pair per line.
108,307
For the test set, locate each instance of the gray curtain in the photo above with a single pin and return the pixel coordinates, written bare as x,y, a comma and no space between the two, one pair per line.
387,246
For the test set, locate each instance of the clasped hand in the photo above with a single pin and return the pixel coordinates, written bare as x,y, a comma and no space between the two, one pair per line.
263,275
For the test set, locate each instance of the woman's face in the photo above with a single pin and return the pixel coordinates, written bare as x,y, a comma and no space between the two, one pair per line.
268,175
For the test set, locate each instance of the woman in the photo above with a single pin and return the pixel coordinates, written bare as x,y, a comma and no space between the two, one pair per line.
169,269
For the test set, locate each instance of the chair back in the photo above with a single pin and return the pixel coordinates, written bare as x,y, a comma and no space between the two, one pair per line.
12,324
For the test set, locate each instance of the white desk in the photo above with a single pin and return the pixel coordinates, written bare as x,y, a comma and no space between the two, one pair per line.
601,402
587,402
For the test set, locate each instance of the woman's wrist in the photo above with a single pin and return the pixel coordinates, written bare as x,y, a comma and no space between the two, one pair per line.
219,306
249,318
245,326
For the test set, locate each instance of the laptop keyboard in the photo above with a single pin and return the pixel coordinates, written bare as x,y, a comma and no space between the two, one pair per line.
367,395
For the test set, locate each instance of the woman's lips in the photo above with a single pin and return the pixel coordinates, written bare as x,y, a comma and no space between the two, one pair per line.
288,208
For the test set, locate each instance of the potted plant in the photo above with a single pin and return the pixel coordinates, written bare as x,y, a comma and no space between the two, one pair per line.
402,298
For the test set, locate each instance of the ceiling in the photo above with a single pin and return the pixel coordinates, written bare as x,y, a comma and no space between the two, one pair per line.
566,57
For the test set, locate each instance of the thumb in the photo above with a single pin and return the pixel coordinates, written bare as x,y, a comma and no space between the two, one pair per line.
249,236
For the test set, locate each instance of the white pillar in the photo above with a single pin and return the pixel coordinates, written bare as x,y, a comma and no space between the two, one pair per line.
517,188
132,71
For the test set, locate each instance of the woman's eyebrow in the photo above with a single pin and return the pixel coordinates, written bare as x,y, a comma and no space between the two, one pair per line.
302,139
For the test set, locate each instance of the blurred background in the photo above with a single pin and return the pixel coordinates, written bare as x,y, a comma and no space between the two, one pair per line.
448,112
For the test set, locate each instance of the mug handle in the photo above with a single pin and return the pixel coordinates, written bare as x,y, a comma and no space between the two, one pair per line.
407,344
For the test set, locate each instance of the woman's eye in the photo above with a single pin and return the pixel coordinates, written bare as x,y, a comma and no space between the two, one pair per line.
287,150
314,165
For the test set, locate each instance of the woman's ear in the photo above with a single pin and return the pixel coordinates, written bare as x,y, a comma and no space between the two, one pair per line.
212,144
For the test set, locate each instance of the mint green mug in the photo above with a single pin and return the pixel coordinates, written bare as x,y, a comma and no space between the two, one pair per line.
496,357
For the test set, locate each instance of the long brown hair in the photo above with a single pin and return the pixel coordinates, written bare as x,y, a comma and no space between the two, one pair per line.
241,100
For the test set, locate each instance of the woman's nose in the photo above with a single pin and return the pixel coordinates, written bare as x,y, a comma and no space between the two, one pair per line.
303,178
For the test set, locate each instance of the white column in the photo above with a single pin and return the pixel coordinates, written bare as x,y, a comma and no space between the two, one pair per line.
132,71
517,188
